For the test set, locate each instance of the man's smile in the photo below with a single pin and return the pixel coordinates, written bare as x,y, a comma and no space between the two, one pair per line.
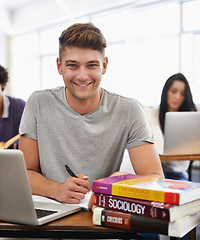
82,85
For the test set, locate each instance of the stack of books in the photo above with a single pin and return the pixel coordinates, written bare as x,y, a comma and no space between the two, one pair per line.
147,204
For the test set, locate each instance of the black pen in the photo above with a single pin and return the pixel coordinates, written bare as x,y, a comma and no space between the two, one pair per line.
70,171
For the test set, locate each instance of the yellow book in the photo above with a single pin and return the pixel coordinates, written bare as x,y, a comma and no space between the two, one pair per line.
148,188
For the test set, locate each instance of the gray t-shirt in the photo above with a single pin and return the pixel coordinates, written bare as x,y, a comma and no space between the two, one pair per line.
92,144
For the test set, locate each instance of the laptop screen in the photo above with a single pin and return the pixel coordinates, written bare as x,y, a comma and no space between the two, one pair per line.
182,133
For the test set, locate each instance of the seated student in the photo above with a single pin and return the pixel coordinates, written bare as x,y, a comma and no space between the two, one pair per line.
11,110
82,124
176,96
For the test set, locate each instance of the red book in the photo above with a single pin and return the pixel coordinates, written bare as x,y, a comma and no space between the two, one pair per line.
158,210
148,188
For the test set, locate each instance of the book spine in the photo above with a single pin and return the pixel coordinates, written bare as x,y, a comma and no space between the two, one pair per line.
101,187
145,194
134,206
110,218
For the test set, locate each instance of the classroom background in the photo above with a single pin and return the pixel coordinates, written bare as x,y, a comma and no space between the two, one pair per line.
148,41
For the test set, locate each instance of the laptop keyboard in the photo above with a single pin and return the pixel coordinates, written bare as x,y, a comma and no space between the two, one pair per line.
43,212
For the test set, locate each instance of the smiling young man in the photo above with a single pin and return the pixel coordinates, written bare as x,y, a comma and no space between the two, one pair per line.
82,125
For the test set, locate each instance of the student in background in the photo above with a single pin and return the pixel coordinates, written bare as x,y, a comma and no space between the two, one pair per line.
176,96
11,110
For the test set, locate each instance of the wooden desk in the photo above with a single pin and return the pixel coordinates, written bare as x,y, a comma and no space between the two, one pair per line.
75,226
180,157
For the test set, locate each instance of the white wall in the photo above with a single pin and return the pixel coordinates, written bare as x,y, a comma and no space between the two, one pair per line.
5,30
36,15
3,49
5,23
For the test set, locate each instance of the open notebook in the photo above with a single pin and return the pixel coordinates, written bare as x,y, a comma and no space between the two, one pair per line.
16,203
182,133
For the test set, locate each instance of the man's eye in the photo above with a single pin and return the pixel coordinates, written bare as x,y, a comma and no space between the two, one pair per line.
72,65
92,65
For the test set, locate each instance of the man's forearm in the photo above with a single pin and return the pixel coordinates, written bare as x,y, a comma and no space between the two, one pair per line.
41,185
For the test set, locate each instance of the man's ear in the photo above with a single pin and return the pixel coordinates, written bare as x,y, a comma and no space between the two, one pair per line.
105,63
58,62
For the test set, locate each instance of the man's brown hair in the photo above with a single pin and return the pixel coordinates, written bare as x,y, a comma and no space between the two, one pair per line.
83,35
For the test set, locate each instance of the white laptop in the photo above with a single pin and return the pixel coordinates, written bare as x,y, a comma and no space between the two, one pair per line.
16,203
182,133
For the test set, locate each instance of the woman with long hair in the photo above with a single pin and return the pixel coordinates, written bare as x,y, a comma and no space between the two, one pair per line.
176,96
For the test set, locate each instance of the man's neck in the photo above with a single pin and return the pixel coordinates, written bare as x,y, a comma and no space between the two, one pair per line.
84,106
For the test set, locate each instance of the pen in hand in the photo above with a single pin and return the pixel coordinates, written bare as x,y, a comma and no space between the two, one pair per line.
70,171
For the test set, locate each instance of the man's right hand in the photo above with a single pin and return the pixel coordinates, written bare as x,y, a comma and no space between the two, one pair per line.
73,190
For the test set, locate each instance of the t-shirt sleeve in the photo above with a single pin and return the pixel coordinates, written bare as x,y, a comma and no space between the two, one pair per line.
28,125
140,131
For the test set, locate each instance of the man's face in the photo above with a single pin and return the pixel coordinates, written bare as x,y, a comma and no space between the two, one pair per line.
82,70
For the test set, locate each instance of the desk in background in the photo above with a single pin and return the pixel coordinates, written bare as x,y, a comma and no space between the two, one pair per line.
191,158
75,226
180,157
